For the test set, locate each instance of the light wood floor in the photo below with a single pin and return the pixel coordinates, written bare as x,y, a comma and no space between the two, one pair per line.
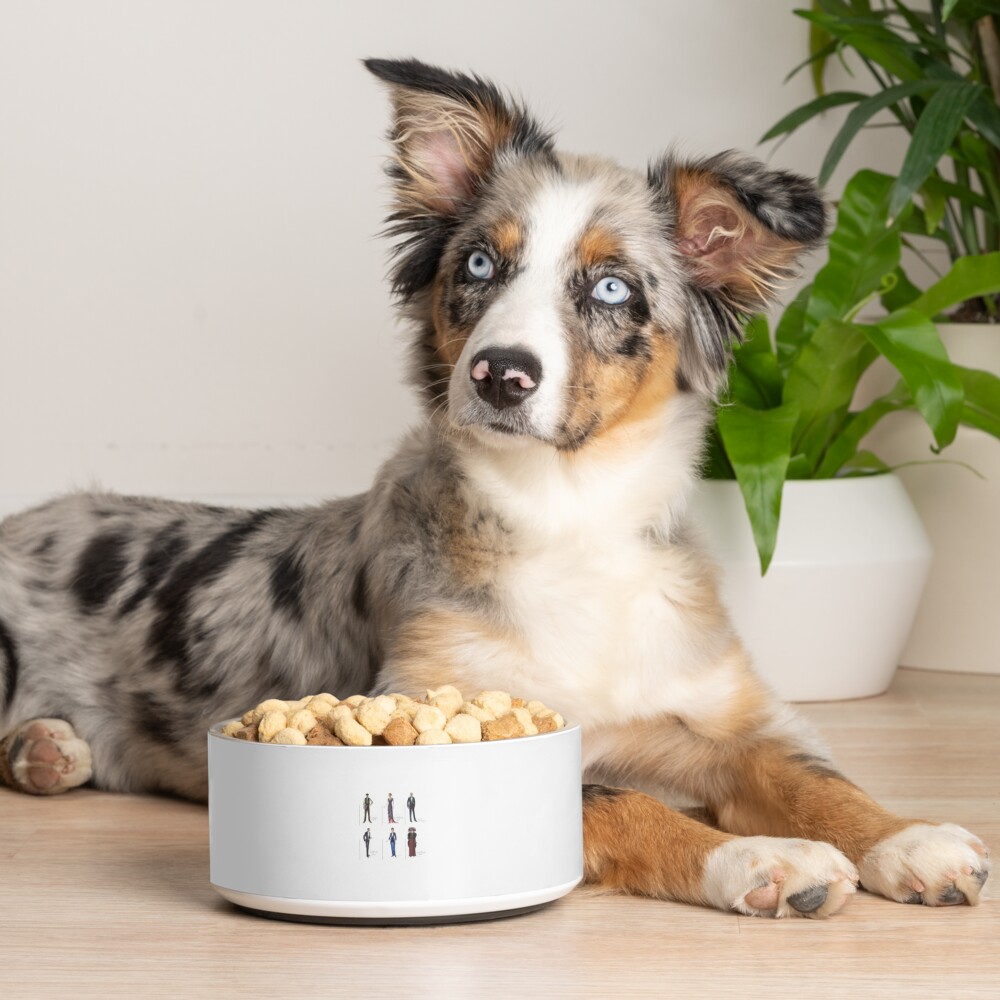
107,896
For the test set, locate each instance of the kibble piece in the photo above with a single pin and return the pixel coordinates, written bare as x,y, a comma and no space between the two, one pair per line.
341,711
535,707
431,737
399,732
321,736
271,705
448,698
320,706
524,717
352,732
428,717
354,700
247,733
504,728
545,723
479,714
373,717
518,703
303,720
464,729
231,728
497,702
270,724
289,737
559,720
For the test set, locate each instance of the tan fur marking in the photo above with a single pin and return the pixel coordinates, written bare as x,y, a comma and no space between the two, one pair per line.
621,396
598,246
507,236
448,340
434,649
635,844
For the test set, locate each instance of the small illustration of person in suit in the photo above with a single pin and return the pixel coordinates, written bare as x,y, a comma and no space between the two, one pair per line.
368,809
392,819
367,838
411,804
411,842
392,842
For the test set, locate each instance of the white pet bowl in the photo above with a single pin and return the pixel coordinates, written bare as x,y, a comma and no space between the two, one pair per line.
498,828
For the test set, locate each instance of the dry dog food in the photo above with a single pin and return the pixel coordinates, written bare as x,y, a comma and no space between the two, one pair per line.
443,715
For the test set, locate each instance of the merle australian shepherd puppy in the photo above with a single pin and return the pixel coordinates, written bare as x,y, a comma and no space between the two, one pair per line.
571,322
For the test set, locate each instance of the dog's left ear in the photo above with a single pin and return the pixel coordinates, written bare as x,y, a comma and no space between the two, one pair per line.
740,225
740,228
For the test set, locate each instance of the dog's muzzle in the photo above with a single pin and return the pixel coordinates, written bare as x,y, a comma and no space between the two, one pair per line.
504,376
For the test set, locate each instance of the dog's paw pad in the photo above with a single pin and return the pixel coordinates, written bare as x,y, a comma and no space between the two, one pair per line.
775,877
45,757
941,865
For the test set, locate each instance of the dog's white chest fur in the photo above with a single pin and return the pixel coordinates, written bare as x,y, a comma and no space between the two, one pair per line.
609,619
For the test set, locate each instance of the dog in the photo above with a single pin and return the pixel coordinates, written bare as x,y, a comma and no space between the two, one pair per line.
572,322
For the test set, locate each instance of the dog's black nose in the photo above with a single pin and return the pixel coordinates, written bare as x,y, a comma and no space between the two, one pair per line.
505,376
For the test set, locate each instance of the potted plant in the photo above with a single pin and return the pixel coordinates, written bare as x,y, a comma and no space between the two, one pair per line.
794,411
831,618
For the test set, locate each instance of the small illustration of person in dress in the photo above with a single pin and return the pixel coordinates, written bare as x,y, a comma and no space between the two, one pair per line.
392,842
368,809
411,804
367,838
392,819
411,842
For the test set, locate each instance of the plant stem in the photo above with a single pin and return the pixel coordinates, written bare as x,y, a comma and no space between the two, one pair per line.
991,52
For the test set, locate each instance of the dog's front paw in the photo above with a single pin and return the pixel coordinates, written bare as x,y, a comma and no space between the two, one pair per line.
776,877
935,865
45,757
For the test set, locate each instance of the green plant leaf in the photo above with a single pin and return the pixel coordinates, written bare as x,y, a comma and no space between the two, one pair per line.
985,115
934,206
758,445
899,293
865,110
910,341
862,250
982,399
936,130
844,445
819,47
947,7
789,334
865,463
802,114
754,376
822,381
969,278
949,189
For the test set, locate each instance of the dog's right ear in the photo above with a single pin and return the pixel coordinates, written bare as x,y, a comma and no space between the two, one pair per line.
448,131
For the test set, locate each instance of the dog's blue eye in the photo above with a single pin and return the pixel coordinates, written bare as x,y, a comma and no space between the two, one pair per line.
480,265
613,291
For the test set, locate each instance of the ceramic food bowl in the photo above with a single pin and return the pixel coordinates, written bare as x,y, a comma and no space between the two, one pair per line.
472,831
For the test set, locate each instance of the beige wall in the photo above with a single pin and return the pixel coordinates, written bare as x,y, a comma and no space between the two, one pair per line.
191,288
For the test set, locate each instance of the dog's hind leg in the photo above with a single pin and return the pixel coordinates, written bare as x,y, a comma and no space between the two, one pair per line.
44,757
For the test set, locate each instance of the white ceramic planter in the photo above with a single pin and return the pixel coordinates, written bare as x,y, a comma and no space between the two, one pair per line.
832,616
957,626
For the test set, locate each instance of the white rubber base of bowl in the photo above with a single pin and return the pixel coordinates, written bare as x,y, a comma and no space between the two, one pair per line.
396,912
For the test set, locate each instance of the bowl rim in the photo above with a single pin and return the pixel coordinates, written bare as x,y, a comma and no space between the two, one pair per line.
215,730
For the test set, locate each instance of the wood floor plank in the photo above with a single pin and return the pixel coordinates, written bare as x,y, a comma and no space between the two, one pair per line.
107,896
